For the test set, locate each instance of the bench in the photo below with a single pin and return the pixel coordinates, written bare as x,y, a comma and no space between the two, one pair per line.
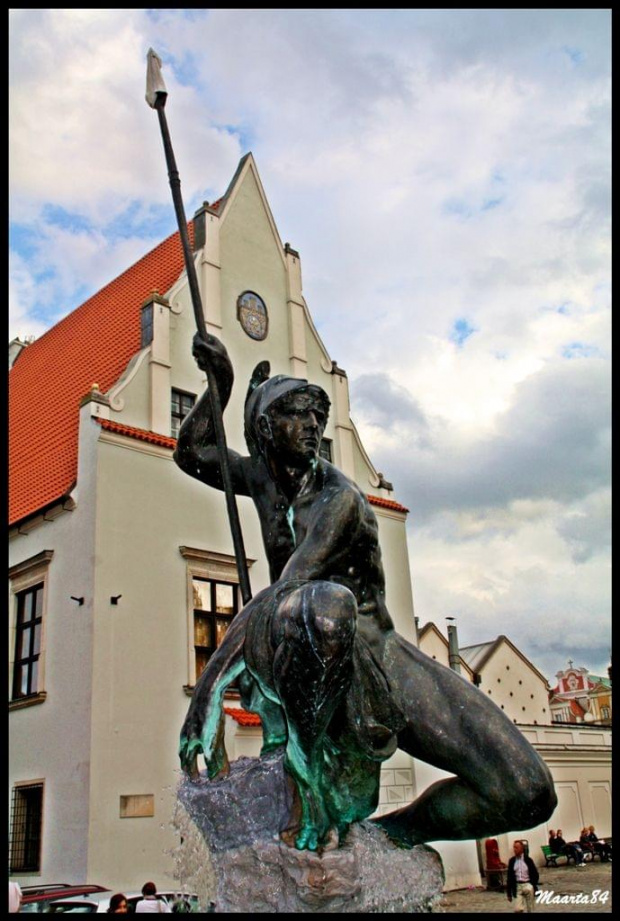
551,858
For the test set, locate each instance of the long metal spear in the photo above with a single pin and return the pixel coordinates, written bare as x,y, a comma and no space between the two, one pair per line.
156,95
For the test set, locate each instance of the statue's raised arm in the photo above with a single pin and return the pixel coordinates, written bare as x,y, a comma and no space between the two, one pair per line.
196,452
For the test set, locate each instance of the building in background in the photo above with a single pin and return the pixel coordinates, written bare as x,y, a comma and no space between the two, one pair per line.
433,643
578,756
580,697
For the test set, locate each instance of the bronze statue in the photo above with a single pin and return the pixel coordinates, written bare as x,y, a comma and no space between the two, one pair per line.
316,653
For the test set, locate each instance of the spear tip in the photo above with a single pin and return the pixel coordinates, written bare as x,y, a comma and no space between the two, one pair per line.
155,86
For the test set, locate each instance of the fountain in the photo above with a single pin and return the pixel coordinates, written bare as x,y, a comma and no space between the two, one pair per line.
233,857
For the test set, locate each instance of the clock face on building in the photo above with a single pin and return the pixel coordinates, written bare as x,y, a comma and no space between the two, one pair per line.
252,314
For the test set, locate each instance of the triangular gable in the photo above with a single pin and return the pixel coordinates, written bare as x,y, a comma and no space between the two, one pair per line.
485,651
430,627
247,165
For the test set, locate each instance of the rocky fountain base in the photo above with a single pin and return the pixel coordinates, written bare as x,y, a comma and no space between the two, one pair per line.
240,818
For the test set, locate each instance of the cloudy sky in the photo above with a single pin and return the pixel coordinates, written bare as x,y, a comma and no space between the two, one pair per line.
445,175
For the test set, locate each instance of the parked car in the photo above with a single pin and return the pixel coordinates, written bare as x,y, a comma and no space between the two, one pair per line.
38,898
99,902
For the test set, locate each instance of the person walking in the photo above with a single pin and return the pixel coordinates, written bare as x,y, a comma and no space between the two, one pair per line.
150,902
522,879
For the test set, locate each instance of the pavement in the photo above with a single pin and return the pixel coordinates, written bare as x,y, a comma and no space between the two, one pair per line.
564,889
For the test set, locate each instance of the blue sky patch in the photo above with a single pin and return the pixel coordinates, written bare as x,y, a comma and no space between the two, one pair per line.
67,220
154,221
491,203
461,330
25,240
187,71
575,55
189,15
580,350
457,207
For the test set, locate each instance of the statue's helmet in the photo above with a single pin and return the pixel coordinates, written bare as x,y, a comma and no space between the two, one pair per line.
265,395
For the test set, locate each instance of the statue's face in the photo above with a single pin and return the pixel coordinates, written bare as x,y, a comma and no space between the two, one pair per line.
296,424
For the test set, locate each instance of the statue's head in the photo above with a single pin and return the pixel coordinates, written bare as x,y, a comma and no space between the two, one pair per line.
287,416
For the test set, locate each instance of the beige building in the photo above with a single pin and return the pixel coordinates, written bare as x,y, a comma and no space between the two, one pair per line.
433,643
503,673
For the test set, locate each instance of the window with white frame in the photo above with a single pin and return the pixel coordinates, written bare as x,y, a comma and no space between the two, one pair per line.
214,598
28,582
215,604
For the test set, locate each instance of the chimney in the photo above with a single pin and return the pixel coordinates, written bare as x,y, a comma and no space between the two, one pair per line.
200,226
453,649
16,347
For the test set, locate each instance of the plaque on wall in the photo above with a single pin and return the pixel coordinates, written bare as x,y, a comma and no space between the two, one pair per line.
252,314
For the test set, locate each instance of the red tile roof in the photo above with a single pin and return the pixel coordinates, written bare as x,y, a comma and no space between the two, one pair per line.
164,441
93,344
387,503
243,717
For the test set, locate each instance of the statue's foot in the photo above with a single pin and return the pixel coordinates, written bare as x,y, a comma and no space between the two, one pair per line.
189,749
309,839
399,829
289,836
218,764
302,833
332,841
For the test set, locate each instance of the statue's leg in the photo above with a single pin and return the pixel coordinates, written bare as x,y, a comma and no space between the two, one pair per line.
312,635
270,712
502,784
203,727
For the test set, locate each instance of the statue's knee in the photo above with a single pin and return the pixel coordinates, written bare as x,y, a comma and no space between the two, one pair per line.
325,609
532,798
